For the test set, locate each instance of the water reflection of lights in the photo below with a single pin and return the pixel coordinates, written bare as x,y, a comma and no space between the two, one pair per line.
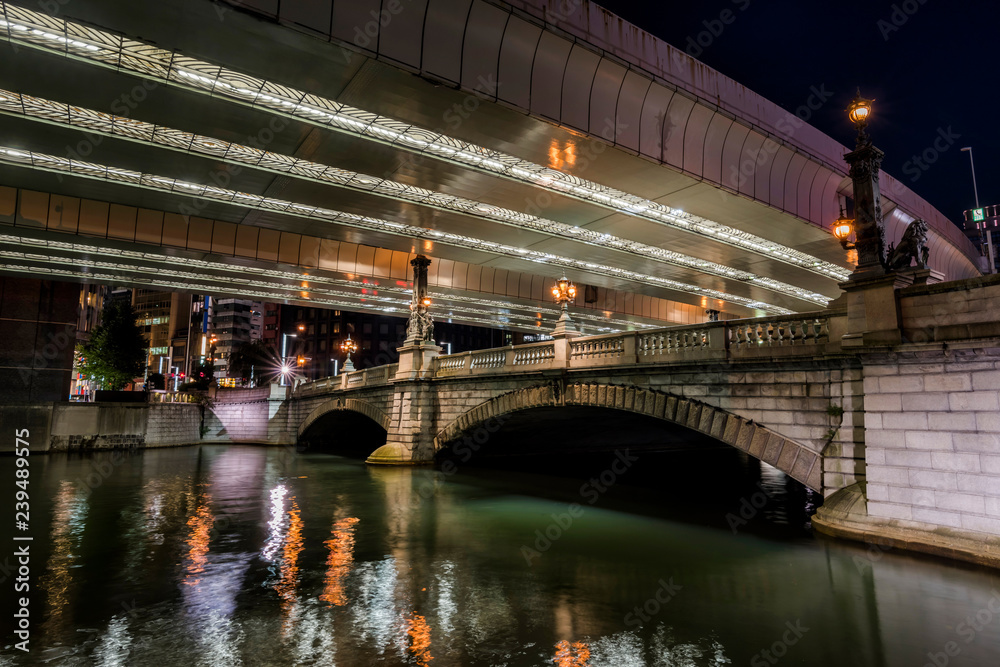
290,557
276,526
419,634
68,520
289,573
576,654
375,615
446,606
201,534
338,563
115,646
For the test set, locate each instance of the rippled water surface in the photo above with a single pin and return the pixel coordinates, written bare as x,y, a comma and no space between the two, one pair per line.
235,555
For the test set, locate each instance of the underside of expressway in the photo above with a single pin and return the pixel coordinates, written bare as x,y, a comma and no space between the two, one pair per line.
164,146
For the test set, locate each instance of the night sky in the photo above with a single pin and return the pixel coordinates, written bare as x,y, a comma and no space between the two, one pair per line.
930,65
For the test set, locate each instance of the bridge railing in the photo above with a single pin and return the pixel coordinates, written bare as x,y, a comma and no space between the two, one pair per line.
801,334
366,377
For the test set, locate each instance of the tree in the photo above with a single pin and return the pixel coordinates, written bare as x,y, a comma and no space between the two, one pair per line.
250,361
116,352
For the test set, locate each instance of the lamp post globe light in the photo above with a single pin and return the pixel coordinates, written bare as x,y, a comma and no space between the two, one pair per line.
349,347
843,227
564,291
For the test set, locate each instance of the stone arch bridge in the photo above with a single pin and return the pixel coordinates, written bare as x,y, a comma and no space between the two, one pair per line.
764,386
887,405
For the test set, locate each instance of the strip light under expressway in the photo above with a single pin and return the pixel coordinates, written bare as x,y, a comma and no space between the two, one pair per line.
101,172
253,276
130,129
104,48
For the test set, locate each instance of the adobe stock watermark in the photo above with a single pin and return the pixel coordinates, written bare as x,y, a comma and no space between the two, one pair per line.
696,44
464,449
898,17
918,164
967,629
877,547
364,35
591,151
779,649
749,508
121,106
786,127
590,491
223,175
667,591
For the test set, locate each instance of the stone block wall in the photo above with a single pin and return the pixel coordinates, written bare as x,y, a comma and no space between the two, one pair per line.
172,424
933,434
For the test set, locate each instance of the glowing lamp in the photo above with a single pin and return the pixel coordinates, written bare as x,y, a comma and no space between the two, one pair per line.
425,302
843,227
564,290
860,110
349,346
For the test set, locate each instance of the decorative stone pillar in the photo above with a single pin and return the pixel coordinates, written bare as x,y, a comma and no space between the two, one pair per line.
416,357
410,439
869,228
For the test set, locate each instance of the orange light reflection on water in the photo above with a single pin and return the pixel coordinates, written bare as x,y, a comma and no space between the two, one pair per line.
419,633
338,563
201,533
290,558
576,654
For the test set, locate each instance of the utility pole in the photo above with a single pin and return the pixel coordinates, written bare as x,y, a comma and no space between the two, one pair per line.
975,192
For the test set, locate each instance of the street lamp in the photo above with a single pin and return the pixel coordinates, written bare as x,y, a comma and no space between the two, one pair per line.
564,291
869,229
349,347
988,233
843,227
285,366
859,112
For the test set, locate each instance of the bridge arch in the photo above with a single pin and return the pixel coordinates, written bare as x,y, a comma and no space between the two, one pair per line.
799,461
354,405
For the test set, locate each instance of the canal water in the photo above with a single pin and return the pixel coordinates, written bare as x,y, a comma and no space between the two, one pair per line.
239,555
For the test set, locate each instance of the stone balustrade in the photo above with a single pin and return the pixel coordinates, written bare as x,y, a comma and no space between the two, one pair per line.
794,335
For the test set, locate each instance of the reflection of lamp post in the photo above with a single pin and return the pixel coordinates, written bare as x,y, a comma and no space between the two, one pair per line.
348,347
869,229
564,291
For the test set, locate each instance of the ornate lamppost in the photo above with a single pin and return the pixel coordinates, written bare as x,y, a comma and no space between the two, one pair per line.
869,228
564,291
349,347
420,326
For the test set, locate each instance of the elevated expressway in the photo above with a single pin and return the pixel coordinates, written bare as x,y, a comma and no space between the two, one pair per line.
303,151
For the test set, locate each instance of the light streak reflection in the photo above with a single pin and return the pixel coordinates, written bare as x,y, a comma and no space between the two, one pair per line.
339,561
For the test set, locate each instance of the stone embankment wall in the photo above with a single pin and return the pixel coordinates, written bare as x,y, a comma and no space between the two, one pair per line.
932,411
88,426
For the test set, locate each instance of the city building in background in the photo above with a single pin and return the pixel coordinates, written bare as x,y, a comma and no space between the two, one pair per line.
231,327
158,314
91,304
313,336
982,226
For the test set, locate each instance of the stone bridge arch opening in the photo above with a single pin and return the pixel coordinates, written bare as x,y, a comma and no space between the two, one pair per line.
563,417
346,427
